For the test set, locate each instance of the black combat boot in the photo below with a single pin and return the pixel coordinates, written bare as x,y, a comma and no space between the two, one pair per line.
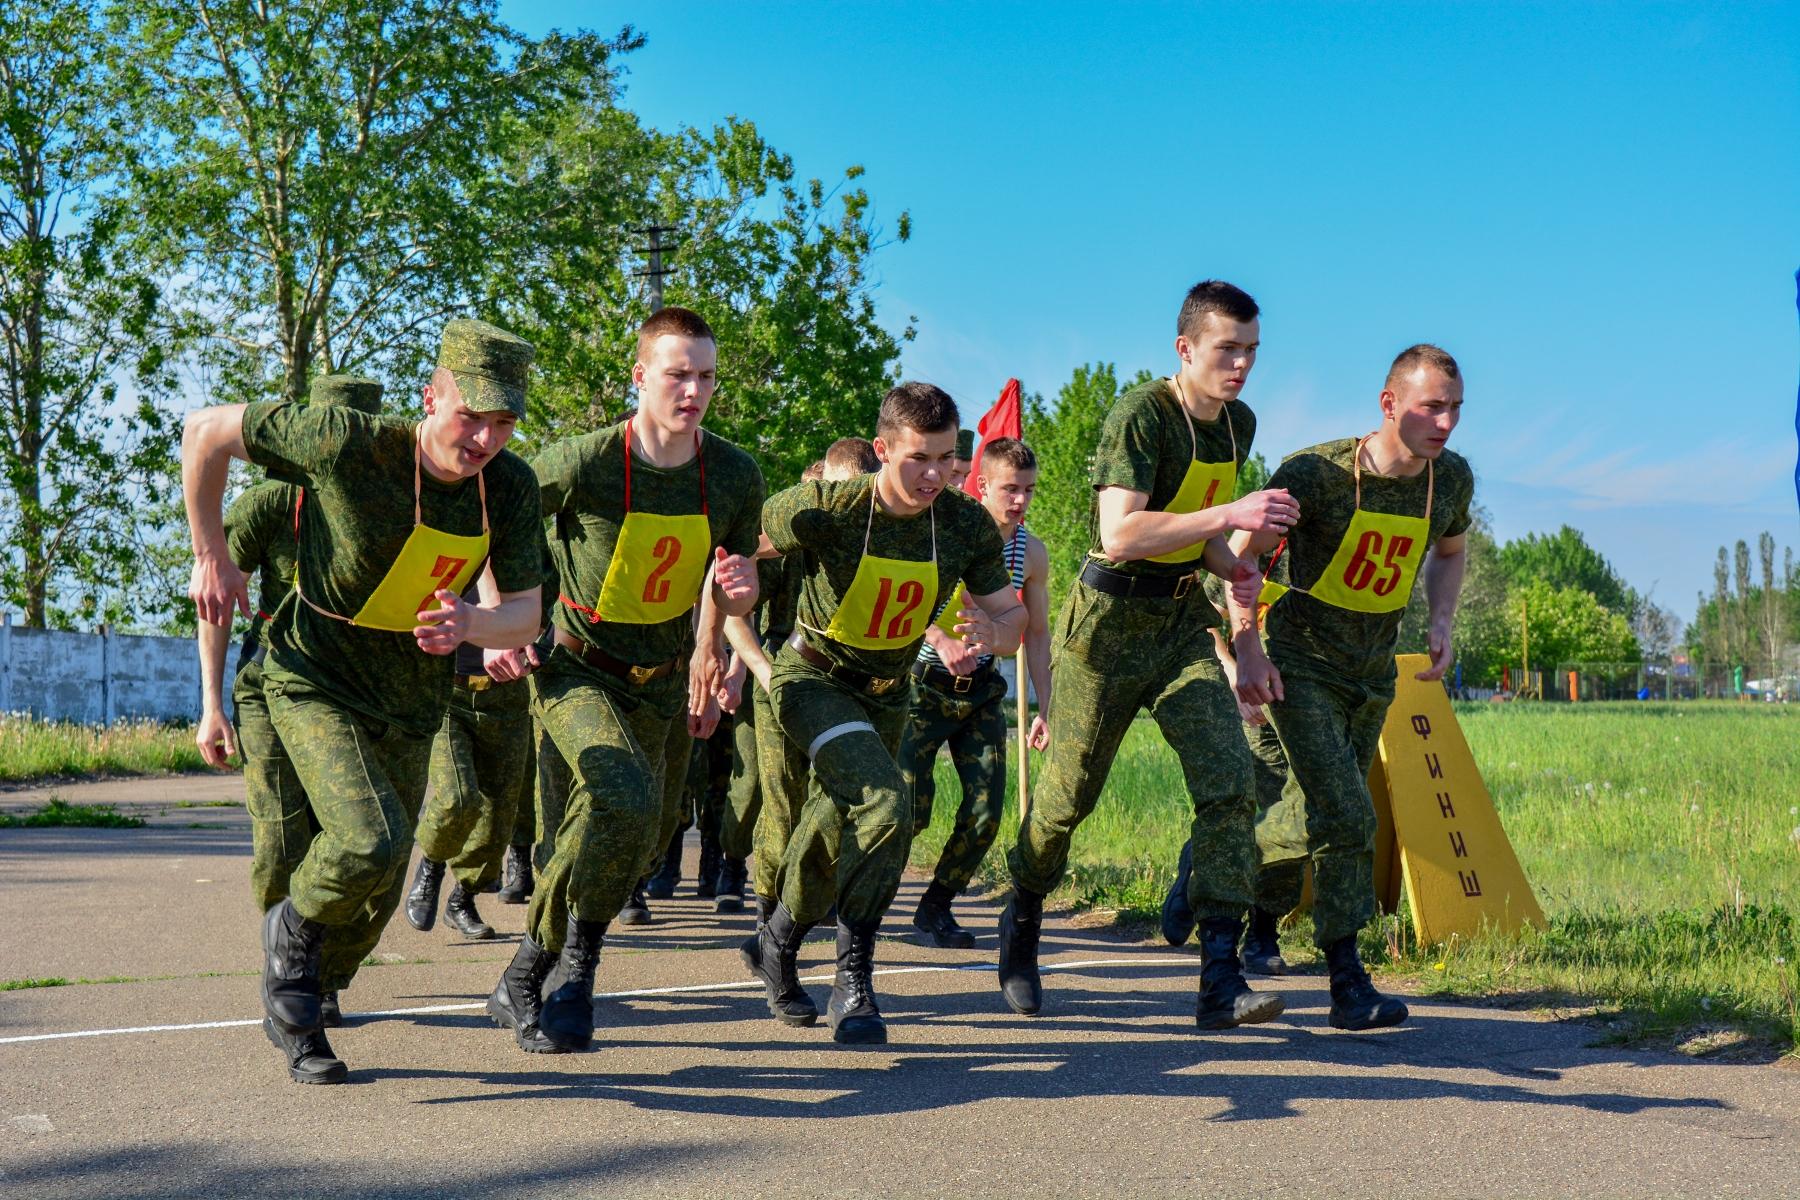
290,978
518,1002
852,1015
764,907
567,1018
422,900
1177,917
1225,1000
459,910
769,954
1262,945
1355,1004
661,885
935,921
331,1014
711,859
637,909
733,874
1021,923
309,1055
516,882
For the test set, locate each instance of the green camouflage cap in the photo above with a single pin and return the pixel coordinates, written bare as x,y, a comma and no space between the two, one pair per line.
965,443
489,364
352,391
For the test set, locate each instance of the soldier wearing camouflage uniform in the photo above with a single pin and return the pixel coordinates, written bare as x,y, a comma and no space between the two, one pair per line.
397,517
959,699
1136,632
964,462
645,514
1375,513
876,553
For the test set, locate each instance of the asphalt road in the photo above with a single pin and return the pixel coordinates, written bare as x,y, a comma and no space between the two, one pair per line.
161,1084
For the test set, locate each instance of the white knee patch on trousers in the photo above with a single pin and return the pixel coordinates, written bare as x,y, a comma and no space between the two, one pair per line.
836,731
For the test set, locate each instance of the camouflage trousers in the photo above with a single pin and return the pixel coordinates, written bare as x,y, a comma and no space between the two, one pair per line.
365,781
612,741
743,794
782,773
849,844
1110,657
678,756
525,816
1329,732
709,777
281,821
478,767
1280,827
973,723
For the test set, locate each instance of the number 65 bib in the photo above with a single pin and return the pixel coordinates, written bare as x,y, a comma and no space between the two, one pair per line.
1378,557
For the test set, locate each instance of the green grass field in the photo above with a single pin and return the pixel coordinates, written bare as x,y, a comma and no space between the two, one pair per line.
33,749
1663,841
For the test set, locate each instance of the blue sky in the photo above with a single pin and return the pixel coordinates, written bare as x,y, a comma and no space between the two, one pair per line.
1596,208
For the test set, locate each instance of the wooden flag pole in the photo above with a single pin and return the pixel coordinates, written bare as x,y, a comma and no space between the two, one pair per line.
1024,738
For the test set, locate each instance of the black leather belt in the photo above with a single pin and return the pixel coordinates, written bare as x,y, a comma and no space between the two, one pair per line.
1118,583
862,681
635,675
946,680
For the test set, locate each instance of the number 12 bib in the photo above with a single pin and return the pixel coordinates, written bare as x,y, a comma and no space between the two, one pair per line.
889,600
658,562
1379,556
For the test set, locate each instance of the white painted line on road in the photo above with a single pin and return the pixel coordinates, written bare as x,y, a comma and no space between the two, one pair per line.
636,993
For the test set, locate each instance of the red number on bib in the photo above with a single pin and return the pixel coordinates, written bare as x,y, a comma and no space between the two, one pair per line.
667,552
1361,568
912,594
1396,549
1211,491
446,569
881,603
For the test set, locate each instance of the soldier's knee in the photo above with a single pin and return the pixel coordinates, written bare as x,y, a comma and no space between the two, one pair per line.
1346,825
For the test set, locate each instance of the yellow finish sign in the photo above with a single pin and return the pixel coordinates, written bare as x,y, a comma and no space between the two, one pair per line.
1458,868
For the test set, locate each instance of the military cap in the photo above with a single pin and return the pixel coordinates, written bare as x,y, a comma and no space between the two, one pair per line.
352,391
965,443
489,365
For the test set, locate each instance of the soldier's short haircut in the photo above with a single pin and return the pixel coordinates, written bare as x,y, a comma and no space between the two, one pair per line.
1011,451
683,322
920,407
1422,355
1213,296
855,455
814,471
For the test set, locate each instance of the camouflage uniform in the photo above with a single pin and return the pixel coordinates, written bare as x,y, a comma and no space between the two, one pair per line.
709,777
1112,655
617,738
781,768
1337,670
974,725
478,769
354,706
743,792
850,842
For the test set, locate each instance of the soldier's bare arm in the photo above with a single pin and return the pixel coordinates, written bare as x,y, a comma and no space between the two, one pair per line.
1443,586
210,439
996,623
1129,531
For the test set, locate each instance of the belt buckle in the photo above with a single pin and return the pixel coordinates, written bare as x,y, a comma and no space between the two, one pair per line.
1183,586
479,683
881,687
639,676
963,683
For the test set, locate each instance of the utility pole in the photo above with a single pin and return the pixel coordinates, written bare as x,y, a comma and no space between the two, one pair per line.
657,270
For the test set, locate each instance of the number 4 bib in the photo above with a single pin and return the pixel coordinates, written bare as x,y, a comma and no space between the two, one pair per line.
889,599
1379,556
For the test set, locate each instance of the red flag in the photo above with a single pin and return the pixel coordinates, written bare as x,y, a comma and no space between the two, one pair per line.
1005,419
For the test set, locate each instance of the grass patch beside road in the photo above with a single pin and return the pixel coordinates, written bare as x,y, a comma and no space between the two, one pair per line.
1663,841
60,814
34,749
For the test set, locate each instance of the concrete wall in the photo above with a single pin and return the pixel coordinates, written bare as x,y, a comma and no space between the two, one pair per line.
97,678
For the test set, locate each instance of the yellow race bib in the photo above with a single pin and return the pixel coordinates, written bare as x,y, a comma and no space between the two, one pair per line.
1204,485
431,559
888,605
1375,564
658,565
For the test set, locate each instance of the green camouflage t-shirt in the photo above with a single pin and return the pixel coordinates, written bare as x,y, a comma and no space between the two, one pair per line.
1311,636
1144,446
357,470
583,481
820,528
259,532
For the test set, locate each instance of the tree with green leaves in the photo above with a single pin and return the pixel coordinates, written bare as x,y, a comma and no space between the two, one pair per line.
1564,559
1480,636
1567,625
85,439
331,172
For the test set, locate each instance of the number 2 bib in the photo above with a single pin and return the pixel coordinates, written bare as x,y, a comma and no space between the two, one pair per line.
429,560
658,562
1204,485
889,600
1379,556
